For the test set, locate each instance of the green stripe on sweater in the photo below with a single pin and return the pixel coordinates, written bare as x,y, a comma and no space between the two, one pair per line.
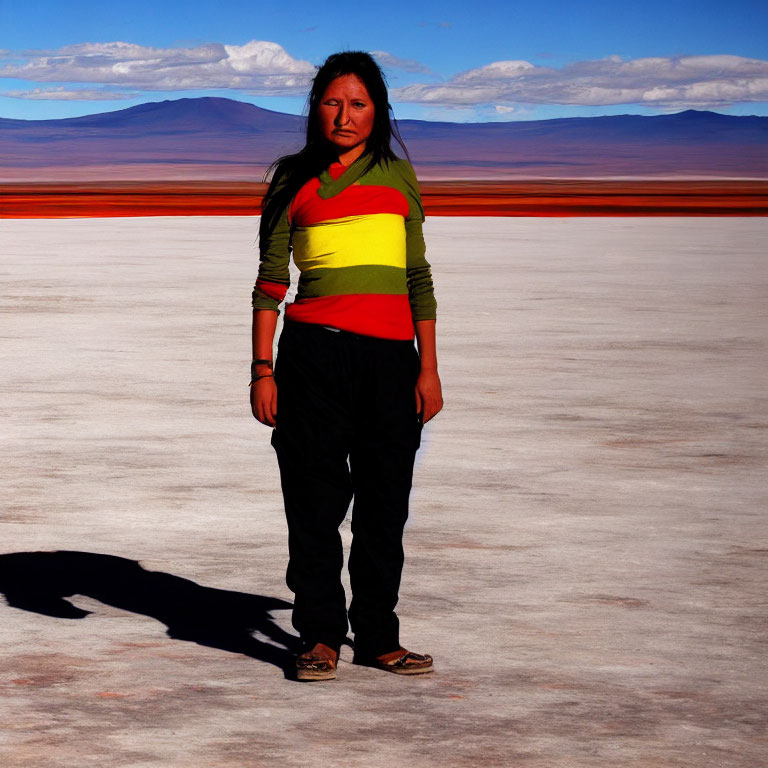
368,278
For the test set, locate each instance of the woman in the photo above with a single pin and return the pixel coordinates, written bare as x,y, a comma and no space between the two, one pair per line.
349,392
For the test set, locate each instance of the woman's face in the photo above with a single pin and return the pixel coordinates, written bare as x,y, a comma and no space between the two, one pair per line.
346,115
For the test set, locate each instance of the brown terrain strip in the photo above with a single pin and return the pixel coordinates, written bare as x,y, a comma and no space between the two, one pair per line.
561,197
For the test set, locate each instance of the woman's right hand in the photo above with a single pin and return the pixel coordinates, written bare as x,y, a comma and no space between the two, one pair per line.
264,401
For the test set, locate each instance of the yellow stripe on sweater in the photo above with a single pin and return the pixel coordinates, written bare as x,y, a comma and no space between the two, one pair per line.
376,238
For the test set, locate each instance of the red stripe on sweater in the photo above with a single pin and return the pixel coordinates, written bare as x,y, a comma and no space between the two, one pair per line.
309,208
380,315
274,291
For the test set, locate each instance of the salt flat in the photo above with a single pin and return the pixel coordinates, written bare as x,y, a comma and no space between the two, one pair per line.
586,554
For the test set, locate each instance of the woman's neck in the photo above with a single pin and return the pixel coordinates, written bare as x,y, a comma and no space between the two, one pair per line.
349,157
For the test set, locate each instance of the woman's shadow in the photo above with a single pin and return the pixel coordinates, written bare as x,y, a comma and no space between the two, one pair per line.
218,618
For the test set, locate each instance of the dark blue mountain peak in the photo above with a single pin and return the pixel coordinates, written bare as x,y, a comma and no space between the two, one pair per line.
201,113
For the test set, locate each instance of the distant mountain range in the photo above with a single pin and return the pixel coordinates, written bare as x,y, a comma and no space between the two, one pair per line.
216,138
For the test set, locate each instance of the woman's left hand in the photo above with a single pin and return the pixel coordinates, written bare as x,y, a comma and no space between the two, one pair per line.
429,394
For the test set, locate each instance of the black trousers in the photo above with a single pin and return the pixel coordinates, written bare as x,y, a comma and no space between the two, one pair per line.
347,428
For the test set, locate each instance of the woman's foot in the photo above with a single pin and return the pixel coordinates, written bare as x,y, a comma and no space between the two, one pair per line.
318,664
402,662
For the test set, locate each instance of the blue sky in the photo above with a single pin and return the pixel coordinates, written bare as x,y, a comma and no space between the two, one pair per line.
444,60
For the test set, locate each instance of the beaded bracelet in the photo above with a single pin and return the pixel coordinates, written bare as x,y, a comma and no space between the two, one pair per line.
256,363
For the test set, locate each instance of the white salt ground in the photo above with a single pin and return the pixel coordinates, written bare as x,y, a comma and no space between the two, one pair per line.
587,548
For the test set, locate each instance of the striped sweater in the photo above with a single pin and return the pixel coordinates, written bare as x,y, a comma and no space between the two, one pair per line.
357,241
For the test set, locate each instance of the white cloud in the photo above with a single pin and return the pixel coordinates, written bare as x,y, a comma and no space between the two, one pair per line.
688,81
63,94
498,70
259,66
389,61
266,68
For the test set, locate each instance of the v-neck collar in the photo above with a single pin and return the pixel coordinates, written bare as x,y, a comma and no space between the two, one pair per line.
329,187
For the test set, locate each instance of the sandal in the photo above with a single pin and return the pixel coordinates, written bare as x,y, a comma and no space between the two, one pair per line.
312,666
403,662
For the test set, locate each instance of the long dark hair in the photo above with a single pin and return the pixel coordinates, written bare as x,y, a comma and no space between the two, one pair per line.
291,172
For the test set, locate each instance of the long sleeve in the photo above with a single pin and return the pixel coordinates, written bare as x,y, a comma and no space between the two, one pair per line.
421,294
275,253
